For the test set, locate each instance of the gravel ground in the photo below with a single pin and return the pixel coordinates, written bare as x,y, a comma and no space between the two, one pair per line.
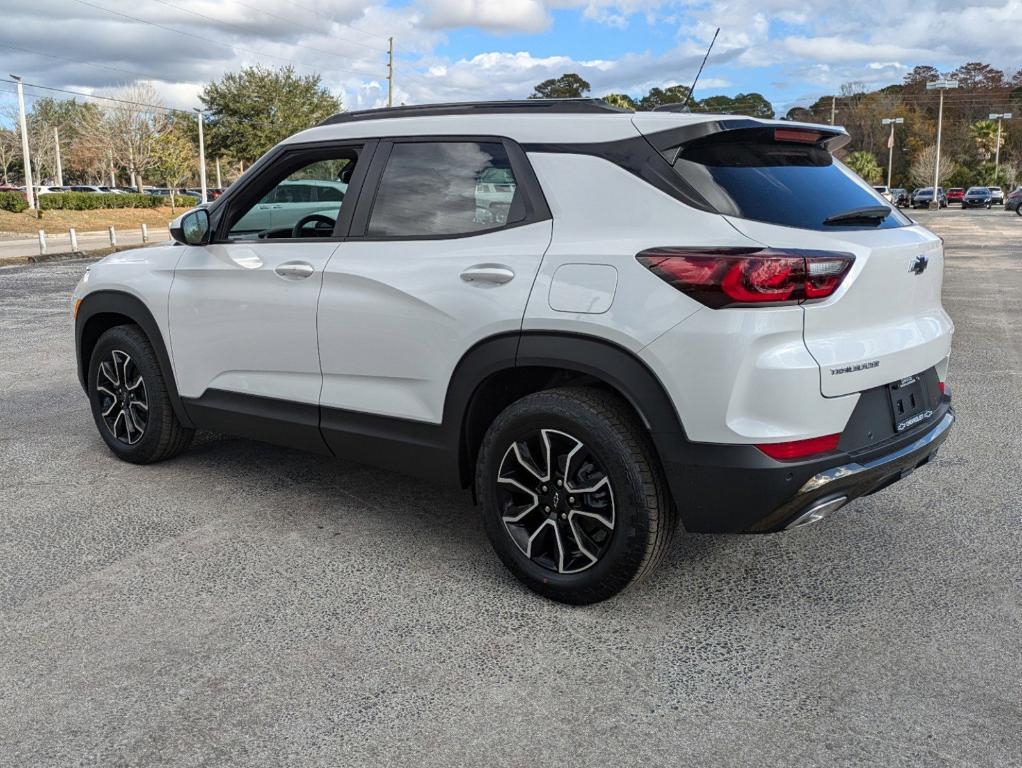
249,605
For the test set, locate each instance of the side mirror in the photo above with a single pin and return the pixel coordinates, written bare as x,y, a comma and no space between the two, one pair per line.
191,228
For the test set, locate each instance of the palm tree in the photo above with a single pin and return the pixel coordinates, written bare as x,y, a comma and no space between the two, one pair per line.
984,133
864,164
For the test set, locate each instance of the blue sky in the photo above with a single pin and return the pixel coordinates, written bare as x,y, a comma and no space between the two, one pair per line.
787,50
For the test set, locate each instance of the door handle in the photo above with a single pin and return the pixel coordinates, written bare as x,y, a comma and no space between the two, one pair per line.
295,270
488,273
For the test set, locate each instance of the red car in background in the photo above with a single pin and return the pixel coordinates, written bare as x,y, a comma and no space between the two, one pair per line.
955,195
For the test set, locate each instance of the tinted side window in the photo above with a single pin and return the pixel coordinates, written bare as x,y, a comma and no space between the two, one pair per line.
445,188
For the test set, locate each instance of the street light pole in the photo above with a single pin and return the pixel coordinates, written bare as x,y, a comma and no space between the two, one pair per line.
202,157
891,121
939,85
997,149
56,148
26,156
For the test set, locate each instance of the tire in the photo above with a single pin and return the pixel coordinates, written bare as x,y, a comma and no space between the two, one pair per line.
124,371
615,461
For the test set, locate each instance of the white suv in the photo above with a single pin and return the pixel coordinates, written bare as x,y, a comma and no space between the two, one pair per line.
600,321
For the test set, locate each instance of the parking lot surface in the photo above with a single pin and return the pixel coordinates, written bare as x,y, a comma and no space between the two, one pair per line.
250,605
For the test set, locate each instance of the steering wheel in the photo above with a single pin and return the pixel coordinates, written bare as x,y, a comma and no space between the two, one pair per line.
319,218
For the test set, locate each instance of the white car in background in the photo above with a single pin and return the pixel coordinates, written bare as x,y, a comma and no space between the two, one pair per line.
290,201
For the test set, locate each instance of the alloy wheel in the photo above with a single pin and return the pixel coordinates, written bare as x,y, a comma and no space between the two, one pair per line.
556,501
123,401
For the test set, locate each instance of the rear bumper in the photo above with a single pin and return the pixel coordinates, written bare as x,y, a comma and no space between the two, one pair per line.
733,489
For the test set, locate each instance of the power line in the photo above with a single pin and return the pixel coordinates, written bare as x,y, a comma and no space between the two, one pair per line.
137,75
314,12
96,96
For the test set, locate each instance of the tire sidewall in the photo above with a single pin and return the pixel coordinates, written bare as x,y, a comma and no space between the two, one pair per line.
131,342
619,563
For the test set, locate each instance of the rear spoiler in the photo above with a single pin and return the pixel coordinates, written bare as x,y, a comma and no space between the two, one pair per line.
669,142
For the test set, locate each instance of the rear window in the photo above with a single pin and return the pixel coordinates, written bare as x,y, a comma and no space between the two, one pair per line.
791,184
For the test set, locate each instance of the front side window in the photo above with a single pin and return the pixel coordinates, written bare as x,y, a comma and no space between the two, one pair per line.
304,204
445,188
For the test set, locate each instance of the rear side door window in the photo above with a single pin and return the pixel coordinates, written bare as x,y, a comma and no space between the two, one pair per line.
446,189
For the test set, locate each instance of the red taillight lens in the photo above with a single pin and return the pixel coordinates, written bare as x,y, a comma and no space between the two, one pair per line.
724,277
800,449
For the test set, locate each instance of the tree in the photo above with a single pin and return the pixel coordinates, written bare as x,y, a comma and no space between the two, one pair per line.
864,164
174,159
129,129
799,115
673,94
752,104
976,75
984,133
921,172
10,152
251,111
567,86
917,79
620,100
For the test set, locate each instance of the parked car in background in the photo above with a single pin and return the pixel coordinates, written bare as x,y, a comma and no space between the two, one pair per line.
977,197
45,190
996,195
85,188
899,197
924,196
1013,202
955,195
166,192
885,193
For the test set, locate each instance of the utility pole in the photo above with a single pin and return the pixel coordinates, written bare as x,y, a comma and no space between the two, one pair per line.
939,85
56,147
390,73
26,156
113,176
219,185
833,109
202,157
891,121
997,150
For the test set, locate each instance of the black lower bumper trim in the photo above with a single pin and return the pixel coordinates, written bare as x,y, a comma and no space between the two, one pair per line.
738,488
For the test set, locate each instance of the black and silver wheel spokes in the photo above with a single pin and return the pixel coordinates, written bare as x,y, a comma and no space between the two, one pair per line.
556,501
123,401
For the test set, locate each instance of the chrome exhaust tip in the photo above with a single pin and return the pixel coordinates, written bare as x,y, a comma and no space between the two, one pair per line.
817,512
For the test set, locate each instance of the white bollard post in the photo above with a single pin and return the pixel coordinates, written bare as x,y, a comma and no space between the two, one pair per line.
145,233
74,240
113,237
42,243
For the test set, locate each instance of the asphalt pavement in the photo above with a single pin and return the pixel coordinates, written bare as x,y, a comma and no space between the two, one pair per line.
249,605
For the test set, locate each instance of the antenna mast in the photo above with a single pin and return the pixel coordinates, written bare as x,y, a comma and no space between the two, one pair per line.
693,88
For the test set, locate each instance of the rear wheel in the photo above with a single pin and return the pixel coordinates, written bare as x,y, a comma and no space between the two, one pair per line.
573,500
129,399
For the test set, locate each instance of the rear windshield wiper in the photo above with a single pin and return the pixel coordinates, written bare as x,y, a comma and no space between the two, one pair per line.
873,214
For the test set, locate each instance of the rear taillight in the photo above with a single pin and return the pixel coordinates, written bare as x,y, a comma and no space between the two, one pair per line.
800,449
725,277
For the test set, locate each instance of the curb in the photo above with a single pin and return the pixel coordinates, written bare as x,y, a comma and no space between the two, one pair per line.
20,261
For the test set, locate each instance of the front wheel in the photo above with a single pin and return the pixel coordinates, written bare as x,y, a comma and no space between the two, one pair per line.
129,399
573,500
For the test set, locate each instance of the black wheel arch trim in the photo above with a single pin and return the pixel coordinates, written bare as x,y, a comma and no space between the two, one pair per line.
134,309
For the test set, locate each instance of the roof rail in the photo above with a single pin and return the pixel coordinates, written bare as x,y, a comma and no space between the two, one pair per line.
521,106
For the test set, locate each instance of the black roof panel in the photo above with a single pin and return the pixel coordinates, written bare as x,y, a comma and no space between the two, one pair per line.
521,106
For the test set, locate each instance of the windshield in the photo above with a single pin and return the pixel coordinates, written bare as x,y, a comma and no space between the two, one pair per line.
787,183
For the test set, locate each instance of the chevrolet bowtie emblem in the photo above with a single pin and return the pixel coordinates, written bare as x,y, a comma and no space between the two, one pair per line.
919,265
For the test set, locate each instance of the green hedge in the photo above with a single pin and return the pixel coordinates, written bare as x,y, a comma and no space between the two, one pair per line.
14,202
87,201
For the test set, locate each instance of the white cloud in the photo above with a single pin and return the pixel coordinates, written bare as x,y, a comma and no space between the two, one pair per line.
493,15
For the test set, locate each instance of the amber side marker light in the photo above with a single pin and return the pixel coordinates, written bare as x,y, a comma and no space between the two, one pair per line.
78,305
